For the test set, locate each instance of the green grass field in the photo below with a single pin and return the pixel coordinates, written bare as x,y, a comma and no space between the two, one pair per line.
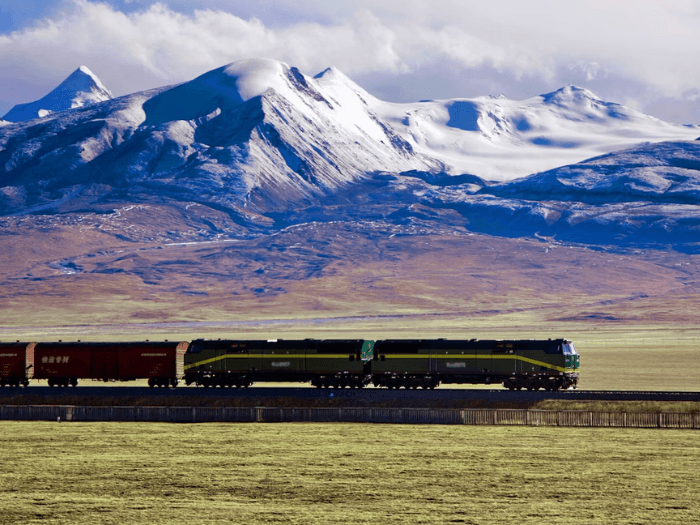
344,473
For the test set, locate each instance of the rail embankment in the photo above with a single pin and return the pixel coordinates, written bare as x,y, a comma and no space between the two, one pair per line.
172,414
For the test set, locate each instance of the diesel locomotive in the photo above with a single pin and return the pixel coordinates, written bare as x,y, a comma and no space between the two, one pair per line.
551,364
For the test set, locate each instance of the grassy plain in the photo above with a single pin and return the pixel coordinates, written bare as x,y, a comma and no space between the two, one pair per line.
344,473
632,314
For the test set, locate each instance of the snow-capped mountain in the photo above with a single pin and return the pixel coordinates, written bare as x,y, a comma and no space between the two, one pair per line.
272,147
81,88
254,133
500,139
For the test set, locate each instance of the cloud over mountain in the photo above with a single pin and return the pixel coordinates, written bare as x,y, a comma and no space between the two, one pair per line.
529,48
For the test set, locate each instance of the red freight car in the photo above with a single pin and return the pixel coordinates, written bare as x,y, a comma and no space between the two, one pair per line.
62,364
16,362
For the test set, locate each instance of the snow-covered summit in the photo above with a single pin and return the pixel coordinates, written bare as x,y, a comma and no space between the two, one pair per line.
81,88
229,86
501,139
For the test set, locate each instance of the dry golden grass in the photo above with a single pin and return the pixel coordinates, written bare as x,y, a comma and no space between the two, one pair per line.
344,473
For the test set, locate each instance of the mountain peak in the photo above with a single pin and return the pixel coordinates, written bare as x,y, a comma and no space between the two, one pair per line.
83,80
229,86
82,87
569,95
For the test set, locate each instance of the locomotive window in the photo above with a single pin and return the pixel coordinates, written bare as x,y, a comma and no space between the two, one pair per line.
195,349
569,349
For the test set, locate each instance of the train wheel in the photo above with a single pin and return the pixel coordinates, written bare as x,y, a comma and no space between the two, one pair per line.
74,382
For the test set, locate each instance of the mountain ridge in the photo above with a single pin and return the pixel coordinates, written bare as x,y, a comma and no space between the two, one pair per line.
270,146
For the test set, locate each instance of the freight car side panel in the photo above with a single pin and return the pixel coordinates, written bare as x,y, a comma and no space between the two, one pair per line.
151,360
105,364
61,361
16,360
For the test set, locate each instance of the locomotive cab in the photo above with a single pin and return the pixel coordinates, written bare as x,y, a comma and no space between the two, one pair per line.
571,356
571,364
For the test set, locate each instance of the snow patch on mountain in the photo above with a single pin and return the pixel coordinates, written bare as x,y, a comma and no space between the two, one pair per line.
500,139
81,88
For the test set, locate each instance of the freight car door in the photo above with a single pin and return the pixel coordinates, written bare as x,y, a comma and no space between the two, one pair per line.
105,364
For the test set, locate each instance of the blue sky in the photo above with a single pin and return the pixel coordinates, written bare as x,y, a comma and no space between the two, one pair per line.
641,53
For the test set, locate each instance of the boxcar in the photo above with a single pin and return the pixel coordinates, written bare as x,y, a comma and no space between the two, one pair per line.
63,364
531,364
16,363
238,363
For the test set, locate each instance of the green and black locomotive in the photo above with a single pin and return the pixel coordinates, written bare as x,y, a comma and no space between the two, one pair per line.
325,363
551,364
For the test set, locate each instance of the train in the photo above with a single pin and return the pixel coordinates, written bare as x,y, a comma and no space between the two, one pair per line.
531,364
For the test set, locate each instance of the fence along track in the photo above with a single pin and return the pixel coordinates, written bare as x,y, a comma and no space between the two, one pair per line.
549,418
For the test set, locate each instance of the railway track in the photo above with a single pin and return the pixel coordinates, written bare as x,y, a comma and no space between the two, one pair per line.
367,395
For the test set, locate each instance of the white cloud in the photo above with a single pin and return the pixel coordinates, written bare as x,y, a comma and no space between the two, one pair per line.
653,43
